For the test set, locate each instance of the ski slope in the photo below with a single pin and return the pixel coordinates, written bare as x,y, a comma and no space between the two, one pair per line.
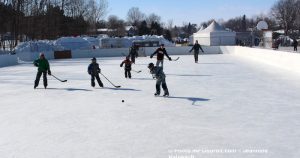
221,107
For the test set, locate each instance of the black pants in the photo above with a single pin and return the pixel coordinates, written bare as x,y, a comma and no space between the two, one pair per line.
295,48
38,76
127,73
132,58
162,82
196,53
93,76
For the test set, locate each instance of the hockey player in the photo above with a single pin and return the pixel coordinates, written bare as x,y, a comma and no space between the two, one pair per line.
161,52
196,48
94,71
43,67
133,53
127,67
160,76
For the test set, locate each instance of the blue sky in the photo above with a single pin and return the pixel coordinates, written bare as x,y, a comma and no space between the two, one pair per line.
194,11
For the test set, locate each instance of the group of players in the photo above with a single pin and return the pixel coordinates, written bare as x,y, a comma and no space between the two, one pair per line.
94,69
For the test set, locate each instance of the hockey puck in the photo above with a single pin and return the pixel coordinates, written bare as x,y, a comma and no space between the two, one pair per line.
122,101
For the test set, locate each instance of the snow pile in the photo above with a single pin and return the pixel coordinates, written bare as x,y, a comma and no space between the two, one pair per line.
87,43
36,46
93,41
127,41
73,43
151,38
115,43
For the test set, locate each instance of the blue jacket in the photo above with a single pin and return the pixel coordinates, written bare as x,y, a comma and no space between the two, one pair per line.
94,69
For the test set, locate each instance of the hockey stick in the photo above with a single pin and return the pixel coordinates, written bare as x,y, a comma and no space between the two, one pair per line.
137,71
175,59
59,79
172,59
110,81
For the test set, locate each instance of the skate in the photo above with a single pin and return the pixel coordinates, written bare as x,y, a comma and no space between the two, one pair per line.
156,94
166,94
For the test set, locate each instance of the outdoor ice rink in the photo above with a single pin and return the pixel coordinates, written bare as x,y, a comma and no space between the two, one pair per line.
222,103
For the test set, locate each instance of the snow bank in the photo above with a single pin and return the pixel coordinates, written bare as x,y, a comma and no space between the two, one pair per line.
126,42
73,43
285,60
8,60
35,46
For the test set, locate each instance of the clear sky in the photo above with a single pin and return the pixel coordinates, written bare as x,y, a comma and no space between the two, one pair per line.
194,11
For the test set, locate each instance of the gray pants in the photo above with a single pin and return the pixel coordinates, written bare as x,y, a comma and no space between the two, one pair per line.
162,82
161,62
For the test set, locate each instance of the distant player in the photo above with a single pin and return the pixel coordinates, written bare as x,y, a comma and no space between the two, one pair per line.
43,67
161,52
196,49
295,44
127,67
160,76
133,52
94,71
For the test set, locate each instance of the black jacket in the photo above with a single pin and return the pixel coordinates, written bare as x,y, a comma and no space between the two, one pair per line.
196,47
161,52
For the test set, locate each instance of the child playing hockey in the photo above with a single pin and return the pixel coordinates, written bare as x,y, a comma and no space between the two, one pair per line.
94,71
43,67
161,52
127,67
160,76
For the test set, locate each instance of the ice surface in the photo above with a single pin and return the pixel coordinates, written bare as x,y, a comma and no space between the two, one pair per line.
224,102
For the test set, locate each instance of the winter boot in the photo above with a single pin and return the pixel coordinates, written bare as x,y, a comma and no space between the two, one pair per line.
166,94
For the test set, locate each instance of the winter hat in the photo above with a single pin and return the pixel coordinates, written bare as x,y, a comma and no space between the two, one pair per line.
42,55
94,58
151,65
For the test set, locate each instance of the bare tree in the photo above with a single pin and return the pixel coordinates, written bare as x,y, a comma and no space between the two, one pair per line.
116,26
96,11
285,11
170,24
135,16
153,18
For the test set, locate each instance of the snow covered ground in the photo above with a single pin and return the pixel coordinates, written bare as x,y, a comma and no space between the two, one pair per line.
225,106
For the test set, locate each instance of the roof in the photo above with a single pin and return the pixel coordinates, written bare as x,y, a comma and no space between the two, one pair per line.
213,27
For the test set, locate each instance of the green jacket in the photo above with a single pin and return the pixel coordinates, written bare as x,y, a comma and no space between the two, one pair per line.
42,64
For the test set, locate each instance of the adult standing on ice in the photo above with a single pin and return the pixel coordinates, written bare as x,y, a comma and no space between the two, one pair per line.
94,71
161,52
43,67
160,79
295,44
196,47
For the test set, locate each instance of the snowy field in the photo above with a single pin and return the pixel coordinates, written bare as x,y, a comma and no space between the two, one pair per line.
224,106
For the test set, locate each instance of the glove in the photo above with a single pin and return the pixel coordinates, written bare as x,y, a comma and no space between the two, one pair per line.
151,56
49,72
35,64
